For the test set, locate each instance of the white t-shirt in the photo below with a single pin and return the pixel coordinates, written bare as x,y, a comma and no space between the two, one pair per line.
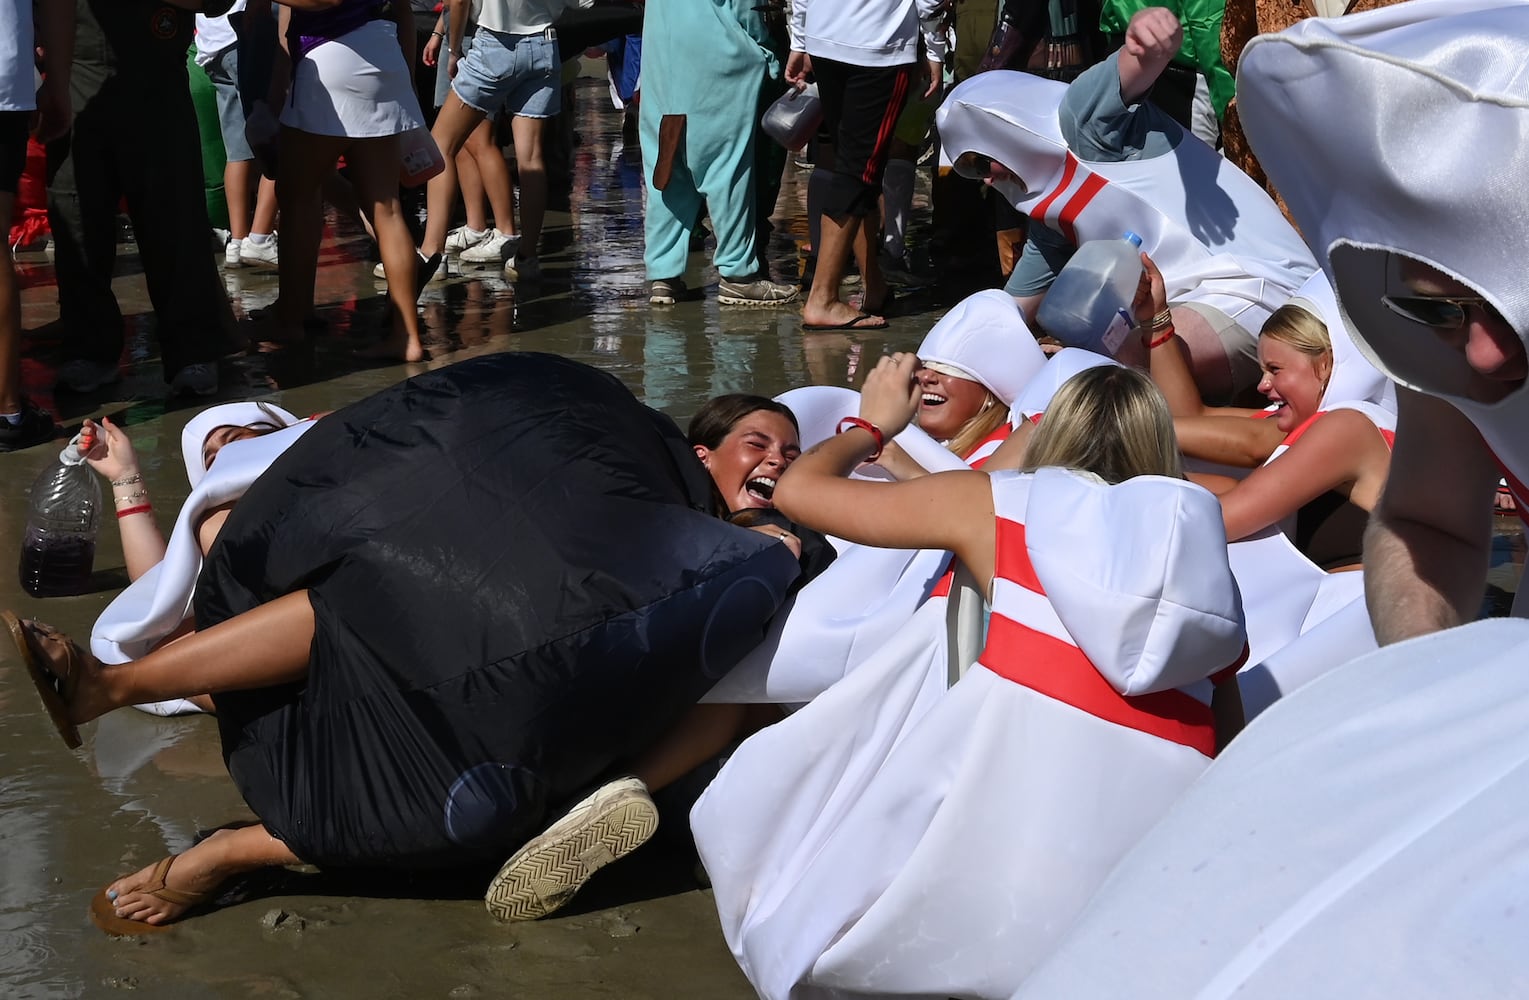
214,34
18,78
524,17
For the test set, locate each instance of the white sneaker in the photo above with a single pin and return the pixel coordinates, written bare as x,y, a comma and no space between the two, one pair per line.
760,292
231,255
200,379
611,823
462,238
441,273
494,248
254,254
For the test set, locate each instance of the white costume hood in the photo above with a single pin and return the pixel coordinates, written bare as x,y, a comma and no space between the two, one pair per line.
225,414
1011,117
1354,379
986,338
1430,164
1164,611
1063,365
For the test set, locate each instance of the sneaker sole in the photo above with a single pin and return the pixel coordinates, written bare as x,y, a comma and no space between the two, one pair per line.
565,864
734,300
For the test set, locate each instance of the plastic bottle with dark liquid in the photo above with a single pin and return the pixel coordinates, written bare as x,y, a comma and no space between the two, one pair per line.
58,550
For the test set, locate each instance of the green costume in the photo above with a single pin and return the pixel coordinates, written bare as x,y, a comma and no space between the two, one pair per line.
1202,39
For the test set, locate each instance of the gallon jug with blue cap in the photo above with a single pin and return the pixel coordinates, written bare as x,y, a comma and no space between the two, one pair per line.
1089,303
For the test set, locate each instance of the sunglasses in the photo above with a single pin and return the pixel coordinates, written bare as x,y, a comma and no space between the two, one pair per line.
1438,311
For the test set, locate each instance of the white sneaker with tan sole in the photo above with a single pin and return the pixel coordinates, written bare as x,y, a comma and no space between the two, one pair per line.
612,822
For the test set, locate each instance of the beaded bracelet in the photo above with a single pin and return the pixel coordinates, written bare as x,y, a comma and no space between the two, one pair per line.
136,477
142,508
131,498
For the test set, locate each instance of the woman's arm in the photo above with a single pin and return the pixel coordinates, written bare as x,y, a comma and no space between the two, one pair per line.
1243,442
1329,456
948,510
110,452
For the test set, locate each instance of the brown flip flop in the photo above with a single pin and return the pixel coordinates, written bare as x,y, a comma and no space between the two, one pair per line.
103,911
55,691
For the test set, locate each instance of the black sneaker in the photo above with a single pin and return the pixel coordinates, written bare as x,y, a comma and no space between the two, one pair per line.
36,428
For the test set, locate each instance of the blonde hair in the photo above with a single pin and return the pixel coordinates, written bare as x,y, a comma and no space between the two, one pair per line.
1111,421
977,427
1292,324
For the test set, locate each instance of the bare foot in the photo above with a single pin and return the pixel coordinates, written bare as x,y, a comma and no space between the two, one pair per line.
64,658
842,316
396,347
160,893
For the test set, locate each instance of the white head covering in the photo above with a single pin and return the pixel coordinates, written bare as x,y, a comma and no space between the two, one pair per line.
985,339
1064,364
236,414
1405,129
1353,379
1011,117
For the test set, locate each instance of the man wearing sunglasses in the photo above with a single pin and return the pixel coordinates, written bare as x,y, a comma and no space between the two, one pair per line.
1416,201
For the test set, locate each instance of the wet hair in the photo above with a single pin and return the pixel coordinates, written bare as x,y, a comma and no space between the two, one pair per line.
979,425
270,425
1111,421
1296,326
715,420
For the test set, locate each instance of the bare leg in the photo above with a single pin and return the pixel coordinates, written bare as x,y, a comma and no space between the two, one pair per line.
823,307
533,182
453,125
199,871
264,647
704,732
265,207
471,186
306,160
495,178
238,189
374,170
874,282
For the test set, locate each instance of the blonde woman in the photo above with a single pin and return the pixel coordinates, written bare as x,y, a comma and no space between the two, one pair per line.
1087,713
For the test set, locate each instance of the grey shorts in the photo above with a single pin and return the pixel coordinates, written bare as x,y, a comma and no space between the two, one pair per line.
1239,345
223,71
514,73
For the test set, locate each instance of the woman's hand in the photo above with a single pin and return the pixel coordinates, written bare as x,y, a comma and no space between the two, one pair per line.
108,449
432,52
791,541
890,396
1151,296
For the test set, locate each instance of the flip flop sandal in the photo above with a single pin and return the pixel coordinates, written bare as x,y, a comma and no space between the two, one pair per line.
858,323
55,691
103,911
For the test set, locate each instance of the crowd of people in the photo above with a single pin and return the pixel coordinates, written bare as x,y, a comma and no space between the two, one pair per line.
1281,455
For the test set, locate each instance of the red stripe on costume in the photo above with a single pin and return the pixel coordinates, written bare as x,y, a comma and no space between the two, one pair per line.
1069,168
1091,186
888,124
1301,428
1012,556
1060,671
942,588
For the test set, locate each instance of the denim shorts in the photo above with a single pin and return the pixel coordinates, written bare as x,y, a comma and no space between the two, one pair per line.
514,73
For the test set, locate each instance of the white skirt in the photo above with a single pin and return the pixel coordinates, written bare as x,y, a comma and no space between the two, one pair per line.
356,86
877,844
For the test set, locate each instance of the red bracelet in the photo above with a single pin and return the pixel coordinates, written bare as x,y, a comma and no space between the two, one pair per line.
865,425
142,508
1161,339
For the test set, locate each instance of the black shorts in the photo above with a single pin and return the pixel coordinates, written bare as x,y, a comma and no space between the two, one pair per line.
14,129
861,105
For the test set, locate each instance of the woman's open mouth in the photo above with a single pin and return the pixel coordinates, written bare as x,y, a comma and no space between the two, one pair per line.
761,488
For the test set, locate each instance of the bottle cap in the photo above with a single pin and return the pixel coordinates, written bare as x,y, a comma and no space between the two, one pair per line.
1132,238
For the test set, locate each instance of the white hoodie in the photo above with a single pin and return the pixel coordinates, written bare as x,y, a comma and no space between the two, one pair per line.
866,32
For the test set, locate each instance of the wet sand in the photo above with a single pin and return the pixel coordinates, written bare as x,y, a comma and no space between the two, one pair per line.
143,787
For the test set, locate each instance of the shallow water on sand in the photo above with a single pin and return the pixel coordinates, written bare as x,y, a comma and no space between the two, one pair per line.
142,787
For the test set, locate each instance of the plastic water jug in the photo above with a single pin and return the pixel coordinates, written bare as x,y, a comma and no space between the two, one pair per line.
59,547
421,157
1089,303
794,118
